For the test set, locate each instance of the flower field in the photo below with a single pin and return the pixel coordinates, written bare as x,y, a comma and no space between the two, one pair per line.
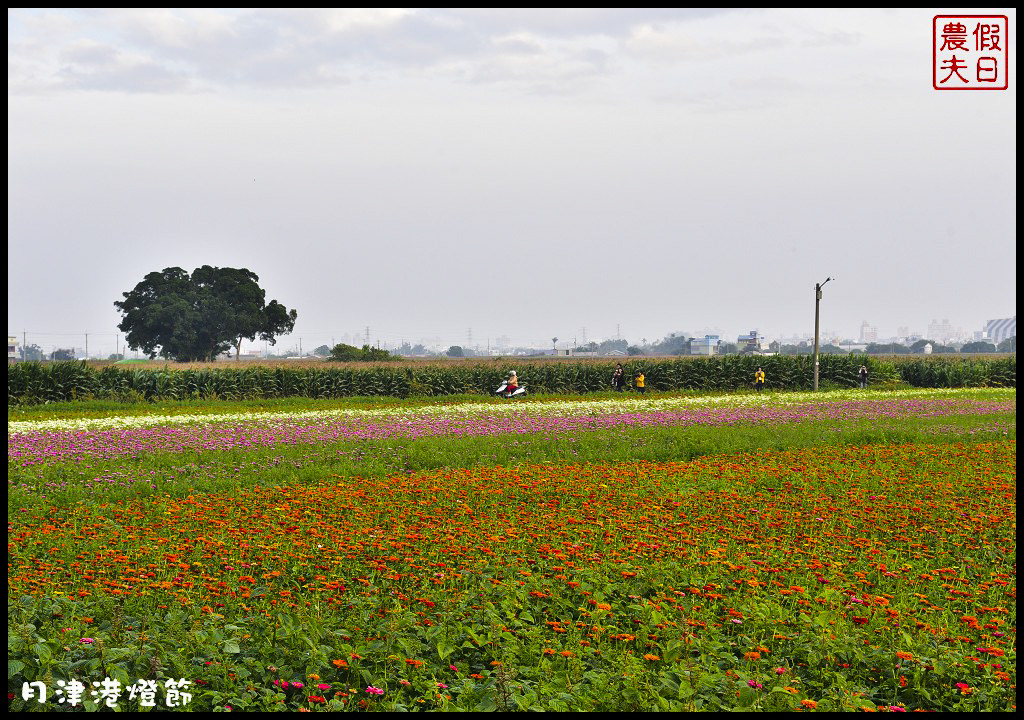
841,551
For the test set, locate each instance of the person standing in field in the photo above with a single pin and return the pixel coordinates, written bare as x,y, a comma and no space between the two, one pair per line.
513,383
640,382
759,380
618,377
863,376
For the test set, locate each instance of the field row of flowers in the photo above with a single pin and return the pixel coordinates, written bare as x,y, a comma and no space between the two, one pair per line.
32,443
828,577
135,417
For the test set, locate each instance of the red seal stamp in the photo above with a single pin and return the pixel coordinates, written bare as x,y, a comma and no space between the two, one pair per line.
970,52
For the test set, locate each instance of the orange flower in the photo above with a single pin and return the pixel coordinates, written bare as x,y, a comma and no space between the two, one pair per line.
339,663
650,657
904,656
751,656
809,704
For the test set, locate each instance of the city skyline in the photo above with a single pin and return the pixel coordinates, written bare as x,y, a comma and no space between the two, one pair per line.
102,344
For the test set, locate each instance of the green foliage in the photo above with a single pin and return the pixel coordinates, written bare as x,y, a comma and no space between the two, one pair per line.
31,383
978,347
887,349
32,352
197,317
349,353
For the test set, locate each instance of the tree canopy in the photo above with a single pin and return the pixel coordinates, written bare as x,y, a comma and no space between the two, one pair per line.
350,353
182,317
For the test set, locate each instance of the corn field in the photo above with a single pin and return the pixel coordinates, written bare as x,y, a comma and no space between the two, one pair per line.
31,383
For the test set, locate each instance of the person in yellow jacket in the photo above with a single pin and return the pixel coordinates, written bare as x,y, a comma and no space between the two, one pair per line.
640,388
759,380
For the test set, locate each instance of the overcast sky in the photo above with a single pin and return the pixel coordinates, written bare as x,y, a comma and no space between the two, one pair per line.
429,173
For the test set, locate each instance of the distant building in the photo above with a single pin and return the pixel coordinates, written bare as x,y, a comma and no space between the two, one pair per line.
941,331
750,343
868,334
708,345
572,352
999,330
12,349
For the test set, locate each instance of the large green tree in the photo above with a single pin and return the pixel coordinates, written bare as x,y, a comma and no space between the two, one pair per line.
182,317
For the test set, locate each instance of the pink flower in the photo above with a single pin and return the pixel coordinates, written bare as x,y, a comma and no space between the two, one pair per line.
780,671
323,686
87,641
754,684
442,686
405,682
454,669
374,690
897,708
296,684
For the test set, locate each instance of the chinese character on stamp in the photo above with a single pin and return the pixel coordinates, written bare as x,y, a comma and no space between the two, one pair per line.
970,52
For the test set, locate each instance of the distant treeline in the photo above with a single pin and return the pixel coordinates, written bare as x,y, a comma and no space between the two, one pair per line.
31,383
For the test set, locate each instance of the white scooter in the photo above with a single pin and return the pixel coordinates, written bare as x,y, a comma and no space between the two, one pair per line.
503,390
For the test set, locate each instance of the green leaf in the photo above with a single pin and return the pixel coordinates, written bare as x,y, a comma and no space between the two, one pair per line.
43,652
120,673
231,646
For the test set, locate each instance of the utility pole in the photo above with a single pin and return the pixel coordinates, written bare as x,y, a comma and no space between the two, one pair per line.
817,300
87,346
